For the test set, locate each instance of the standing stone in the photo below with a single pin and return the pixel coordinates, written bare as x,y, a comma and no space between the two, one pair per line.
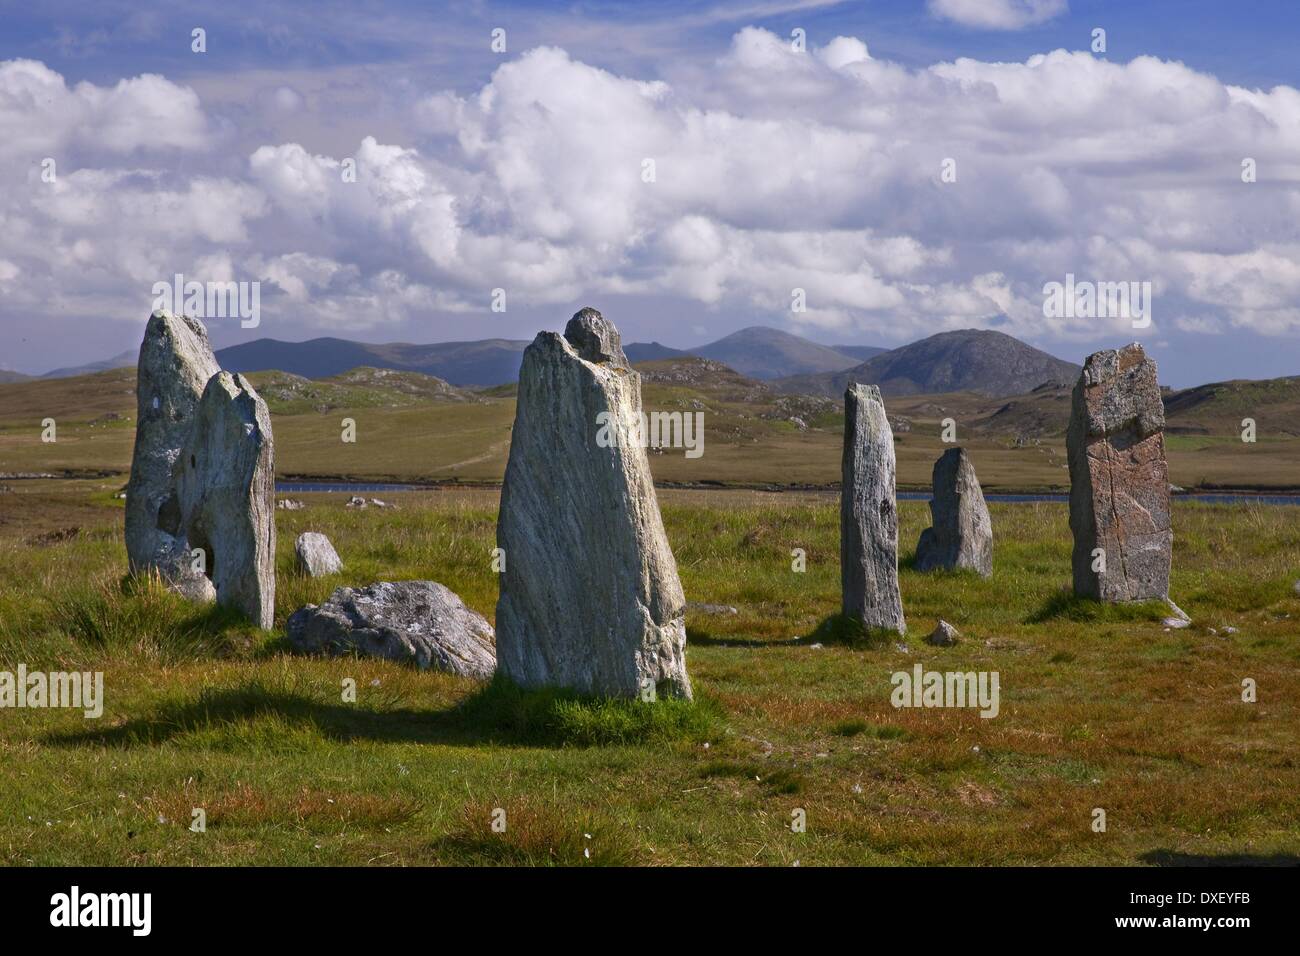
316,555
1119,479
226,479
590,598
869,514
961,535
175,364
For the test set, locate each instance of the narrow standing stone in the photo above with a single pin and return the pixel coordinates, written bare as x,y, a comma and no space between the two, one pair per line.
869,514
1119,479
226,479
961,535
590,599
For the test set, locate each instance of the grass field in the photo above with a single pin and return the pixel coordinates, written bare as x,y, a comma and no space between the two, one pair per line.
1100,708
406,433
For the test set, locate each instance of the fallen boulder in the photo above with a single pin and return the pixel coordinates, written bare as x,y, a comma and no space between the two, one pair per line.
410,622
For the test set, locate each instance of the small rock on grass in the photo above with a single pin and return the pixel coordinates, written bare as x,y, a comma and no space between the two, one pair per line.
316,555
944,635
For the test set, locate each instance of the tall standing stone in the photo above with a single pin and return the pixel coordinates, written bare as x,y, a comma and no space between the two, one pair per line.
175,364
961,534
590,599
869,514
1119,479
226,482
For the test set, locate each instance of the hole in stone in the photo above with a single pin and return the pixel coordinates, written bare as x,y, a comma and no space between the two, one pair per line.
198,539
169,515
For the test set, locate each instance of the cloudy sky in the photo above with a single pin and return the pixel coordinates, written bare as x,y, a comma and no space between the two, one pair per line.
774,168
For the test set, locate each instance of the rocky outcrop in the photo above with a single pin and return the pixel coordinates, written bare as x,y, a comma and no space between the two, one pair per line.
961,535
1119,479
590,598
410,622
315,555
226,490
175,364
869,514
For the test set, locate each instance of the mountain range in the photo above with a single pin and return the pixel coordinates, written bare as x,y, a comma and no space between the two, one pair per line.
982,362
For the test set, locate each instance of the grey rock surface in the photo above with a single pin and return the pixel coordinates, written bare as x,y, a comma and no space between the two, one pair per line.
226,485
943,635
175,364
961,535
590,598
595,338
869,514
315,555
411,622
1119,478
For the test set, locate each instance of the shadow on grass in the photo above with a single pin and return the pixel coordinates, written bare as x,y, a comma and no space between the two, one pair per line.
1173,858
697,638
849,632
499,713
1065,605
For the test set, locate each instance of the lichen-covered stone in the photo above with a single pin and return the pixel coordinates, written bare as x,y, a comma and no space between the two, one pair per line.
1119,479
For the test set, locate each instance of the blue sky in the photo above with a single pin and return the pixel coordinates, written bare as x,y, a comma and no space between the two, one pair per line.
518,170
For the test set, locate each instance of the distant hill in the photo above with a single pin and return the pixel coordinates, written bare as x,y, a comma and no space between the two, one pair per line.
705,376
651,352
859,352
971,360
767,353
289,394
125,359
1273,404
7,376
481,363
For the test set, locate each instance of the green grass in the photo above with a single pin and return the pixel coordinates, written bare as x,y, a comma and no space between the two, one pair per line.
1100,707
